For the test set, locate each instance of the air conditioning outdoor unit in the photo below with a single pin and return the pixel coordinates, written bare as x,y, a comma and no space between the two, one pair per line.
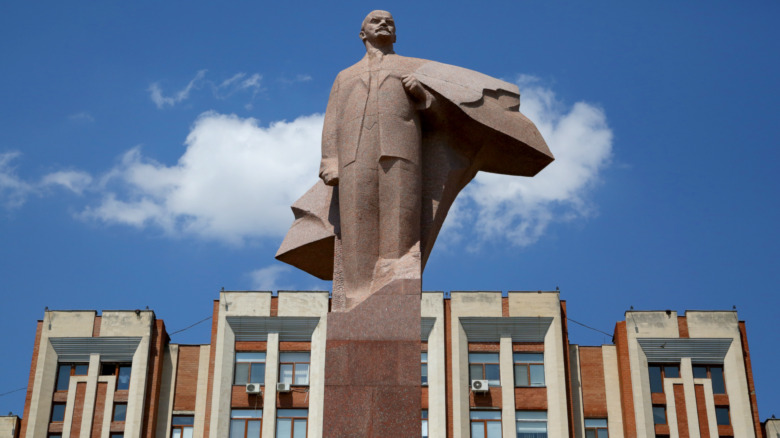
479,385
282,387
253,388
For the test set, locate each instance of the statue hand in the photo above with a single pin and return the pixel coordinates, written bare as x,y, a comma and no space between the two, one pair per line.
413,87
330,177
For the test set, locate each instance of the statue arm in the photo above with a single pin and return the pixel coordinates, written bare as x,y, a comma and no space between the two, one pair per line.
329,166
422,97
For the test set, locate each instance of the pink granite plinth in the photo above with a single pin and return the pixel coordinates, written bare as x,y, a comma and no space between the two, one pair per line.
372,366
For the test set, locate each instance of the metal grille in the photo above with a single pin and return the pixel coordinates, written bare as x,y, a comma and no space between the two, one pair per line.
700,350
290,328
519,328
110,348
426,325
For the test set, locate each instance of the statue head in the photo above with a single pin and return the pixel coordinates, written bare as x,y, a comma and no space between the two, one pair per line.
378,28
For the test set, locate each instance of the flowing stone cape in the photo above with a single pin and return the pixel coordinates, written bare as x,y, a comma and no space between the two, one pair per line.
474,125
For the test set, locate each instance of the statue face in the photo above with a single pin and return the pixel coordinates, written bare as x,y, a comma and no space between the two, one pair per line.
378,28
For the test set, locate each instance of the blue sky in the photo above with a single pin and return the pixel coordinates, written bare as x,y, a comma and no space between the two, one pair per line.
149,152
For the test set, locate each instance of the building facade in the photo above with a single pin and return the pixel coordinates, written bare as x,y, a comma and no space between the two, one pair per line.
491,365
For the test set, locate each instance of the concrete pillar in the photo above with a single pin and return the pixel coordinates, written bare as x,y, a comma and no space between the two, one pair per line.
271,378
506,367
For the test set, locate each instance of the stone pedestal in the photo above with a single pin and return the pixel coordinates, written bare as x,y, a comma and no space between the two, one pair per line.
372,366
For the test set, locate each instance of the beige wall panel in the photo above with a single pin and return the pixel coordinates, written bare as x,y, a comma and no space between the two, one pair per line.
432,306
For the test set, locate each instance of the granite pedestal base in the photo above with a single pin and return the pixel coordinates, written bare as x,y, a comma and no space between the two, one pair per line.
372,366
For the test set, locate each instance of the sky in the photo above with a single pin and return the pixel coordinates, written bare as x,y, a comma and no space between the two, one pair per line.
149,152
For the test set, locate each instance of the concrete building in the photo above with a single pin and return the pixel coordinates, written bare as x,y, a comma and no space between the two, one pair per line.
492,365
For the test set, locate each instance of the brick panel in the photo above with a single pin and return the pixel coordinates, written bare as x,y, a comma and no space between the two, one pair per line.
528,347
490,399
751,383
594,393
274,306
682,327
212,353
682,412
31,380
240,399
531,399
624,374
486,347
701,412
424,397
96,326
186,378
297,398
154,378
294,346
78,409
251,346
100,406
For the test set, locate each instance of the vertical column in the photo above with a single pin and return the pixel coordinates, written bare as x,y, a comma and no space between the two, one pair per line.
686,373
506,365
198,430
89,395
271,377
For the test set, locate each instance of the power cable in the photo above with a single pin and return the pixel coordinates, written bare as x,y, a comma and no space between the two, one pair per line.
191,326
589,327
15,390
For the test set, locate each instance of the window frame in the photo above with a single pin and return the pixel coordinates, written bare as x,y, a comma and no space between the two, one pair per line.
64,409
294,366
292,421
246,420
662,367
709,368
424,424
118,366
527,365
666,415
236,361
73,367
728,415
596,428
181,426
424,368
519,421
483,366
113,412
484,421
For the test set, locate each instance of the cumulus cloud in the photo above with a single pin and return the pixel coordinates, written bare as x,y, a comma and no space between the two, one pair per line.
235,181
240,82
75,181
520,209
13,190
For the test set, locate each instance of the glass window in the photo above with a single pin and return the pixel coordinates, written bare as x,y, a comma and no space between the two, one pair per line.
120,370
65,370
294,368
659,414
424,423
250,368
182,426
117,435
531,424
659,372
596,428
246,423
120,412
484,366
291,423
485,424
424,368
714,373
529,369
57,412
722,415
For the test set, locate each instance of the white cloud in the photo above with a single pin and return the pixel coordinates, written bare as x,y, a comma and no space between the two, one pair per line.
83,117
155,92
520,209
268,278
13,190
72,180
235,181
239,82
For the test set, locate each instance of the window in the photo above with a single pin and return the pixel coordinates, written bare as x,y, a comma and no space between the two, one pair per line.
294,368
291,423
120,370
531,424
484,366
485,424
424,423
57,412
250,368
660,372
424,368
529,369
120,412
659,414
722,415
65,370
117,435
596,428
182,426
246,423
714,373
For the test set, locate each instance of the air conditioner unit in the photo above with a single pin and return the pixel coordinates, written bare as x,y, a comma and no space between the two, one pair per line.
253,388
282,387
479,385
